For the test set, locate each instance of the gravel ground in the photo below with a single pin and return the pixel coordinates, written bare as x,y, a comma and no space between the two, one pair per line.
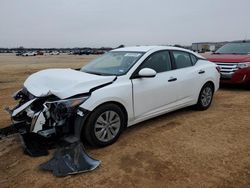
186,148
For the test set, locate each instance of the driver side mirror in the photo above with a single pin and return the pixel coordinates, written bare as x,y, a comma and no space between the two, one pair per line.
147,73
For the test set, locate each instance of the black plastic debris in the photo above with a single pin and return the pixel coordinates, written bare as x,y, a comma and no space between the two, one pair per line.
12,129
70,159
33,145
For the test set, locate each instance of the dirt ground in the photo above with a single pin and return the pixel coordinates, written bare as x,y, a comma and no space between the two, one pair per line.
186,148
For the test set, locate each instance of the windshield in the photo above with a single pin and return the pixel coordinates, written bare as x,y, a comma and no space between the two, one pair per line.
112,63
234,48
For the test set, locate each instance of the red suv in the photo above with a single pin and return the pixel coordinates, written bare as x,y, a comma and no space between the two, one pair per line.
234,62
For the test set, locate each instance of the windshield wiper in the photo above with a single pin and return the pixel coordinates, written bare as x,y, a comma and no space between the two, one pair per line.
95,73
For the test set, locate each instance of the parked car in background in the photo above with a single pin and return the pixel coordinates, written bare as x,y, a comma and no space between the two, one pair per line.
234,62
29,54
40,53
85,51
119,89
54,53
98,52
19,53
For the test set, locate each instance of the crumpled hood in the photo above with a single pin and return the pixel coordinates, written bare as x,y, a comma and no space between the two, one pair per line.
63,83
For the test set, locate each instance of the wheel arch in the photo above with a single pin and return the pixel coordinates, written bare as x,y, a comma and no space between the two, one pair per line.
120,105
83,123
209,82
198,104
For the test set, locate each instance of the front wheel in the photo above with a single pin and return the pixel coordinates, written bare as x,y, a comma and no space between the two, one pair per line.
205,97
104,125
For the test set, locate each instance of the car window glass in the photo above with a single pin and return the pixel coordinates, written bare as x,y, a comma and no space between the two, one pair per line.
194,59
159,61
182,59
112,63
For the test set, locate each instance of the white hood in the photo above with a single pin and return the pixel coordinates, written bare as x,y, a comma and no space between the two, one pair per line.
63,83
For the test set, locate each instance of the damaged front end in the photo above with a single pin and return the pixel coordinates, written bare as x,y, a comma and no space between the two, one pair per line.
47,115
47,122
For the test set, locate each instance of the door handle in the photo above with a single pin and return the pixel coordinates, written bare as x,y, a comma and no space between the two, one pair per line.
172,79
201,72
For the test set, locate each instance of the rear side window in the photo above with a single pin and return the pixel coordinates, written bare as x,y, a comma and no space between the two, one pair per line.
159,61
182,59
194,59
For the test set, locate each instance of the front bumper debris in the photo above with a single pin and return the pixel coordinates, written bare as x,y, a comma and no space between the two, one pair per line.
41,130
35,145
13,129
70,159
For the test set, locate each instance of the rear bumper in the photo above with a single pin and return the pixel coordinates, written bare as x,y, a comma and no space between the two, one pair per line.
241,76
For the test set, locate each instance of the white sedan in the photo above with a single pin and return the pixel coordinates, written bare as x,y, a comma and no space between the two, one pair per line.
120,88
29,54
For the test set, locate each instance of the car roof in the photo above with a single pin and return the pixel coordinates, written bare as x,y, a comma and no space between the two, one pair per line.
136,48
148,48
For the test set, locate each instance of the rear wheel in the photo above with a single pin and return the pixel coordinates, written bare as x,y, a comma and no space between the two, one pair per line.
205,97
104,125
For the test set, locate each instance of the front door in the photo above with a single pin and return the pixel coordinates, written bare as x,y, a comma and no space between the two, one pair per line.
154,95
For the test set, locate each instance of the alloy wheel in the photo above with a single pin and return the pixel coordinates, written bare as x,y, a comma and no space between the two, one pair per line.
107,126
206,96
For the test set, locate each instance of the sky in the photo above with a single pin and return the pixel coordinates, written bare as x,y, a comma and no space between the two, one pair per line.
109,23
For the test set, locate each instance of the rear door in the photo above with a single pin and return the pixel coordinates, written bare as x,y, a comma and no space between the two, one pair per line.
189,75
154,95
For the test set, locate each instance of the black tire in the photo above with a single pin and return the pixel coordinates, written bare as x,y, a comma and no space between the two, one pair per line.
204,104
92,126
248,86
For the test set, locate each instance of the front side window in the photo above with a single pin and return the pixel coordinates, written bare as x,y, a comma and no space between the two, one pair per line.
112,63
159,61
182,59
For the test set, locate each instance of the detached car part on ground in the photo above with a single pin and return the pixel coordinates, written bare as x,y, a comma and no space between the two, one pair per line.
95,104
